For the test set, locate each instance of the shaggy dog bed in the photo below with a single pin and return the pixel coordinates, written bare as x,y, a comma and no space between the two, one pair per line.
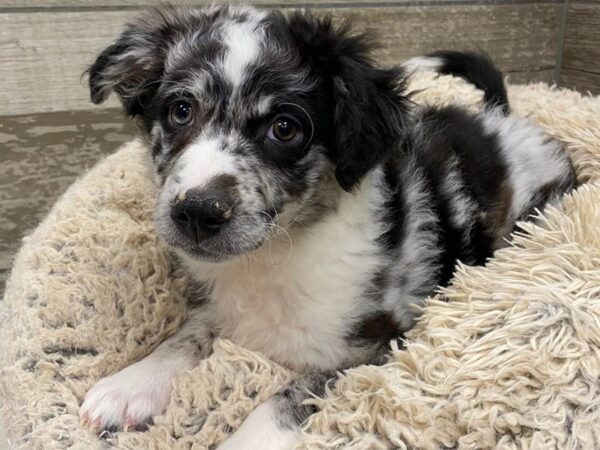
507,357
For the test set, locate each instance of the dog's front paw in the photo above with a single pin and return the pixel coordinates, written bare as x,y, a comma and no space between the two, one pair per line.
128,399
263,429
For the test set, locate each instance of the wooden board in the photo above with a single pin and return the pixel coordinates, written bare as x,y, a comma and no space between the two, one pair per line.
580,80
91,4
43,54
534,76
520,38
581,57
41,156
43,57
582,40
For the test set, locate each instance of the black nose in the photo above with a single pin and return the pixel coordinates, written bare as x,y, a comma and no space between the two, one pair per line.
201,215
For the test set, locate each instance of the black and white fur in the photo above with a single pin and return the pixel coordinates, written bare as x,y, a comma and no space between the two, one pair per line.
314,250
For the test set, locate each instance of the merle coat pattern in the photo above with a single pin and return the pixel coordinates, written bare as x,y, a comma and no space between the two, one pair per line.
311,201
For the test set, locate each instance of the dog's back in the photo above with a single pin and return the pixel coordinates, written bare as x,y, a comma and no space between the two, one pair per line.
476,173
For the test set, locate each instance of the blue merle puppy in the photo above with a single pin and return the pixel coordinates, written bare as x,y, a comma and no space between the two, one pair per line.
312,201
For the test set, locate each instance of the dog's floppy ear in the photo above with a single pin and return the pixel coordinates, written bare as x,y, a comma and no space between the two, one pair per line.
133,65
369,118
369,105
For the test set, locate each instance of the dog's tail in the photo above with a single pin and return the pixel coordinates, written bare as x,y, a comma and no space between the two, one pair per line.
476,68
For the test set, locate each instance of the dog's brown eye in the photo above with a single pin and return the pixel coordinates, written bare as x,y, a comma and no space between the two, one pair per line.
181,113
284,129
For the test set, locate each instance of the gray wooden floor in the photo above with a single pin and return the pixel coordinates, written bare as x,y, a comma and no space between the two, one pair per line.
40,157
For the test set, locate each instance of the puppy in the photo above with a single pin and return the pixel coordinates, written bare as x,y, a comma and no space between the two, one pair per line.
306,194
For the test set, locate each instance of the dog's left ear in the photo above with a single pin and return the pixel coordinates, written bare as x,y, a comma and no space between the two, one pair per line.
369,104
370,110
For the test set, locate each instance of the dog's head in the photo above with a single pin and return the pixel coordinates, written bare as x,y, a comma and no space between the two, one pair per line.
255,119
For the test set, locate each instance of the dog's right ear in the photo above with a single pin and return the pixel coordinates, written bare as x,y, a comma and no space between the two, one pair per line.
129,68
134,64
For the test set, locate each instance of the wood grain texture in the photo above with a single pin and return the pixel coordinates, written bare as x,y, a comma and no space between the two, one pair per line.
582,39
91,4
533,76
580,80
520,38
43,57
41,156
43,54
581,58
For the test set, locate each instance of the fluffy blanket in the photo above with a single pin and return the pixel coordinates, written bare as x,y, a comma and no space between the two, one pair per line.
507,357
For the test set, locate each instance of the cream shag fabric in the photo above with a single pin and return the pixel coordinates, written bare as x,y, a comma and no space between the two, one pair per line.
507,357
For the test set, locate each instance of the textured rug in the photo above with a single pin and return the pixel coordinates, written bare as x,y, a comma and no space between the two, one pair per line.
507,357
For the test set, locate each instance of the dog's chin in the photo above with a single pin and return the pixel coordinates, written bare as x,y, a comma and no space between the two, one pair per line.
217,249
202,254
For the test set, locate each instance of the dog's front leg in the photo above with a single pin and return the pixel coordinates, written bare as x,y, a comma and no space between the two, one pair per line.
275,424
132,396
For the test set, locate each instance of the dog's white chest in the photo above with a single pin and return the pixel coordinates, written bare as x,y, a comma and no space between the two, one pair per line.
296,312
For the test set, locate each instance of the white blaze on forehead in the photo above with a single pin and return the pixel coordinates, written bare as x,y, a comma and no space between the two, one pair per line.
200,163
243,41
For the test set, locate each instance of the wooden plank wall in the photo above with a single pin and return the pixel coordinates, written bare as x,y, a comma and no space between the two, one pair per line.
50,133
581,56
46,45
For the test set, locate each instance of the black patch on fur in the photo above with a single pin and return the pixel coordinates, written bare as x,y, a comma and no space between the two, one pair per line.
394,207
379,327
373,332
455,133
478,69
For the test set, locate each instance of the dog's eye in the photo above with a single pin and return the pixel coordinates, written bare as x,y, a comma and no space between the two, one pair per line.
181,113
284,129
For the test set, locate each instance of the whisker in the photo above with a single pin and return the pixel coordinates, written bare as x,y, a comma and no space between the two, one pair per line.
274,227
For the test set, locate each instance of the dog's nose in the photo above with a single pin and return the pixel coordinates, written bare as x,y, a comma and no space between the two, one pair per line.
201,215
